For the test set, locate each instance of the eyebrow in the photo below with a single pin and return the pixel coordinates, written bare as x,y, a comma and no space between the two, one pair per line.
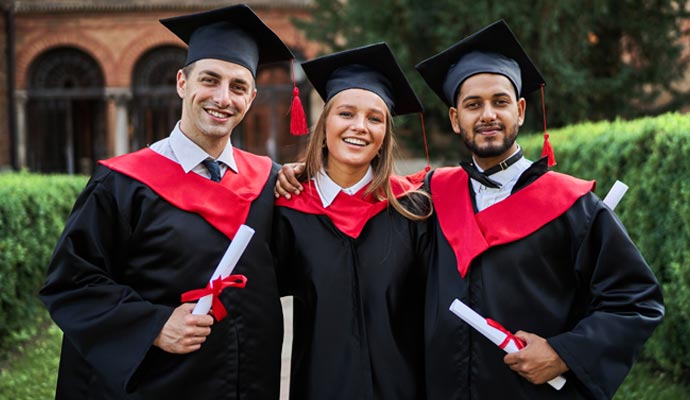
216,75
349,106
493,96
209,72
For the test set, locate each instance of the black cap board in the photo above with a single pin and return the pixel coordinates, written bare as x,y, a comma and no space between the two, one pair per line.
235,34
493,49
372,67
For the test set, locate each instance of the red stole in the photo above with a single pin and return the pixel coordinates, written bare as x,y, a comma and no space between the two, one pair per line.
514,218
349,213
225,204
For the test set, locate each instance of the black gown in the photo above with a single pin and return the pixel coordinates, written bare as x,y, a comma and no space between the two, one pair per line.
571,275
357,272
125,257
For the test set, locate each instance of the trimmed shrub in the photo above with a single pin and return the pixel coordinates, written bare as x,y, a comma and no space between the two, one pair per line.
33,210
650,155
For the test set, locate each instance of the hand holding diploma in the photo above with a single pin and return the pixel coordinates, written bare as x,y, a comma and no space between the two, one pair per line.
537,362
222,277
496,334
183,332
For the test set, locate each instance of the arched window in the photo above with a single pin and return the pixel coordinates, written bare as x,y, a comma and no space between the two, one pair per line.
156,107
65,112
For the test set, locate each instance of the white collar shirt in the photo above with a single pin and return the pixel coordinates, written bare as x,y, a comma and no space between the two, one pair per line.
485,196
181,149
328,189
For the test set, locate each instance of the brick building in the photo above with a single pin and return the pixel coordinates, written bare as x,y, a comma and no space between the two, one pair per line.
96,78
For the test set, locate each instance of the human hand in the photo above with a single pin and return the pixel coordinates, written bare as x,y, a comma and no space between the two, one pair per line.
184,332
287,182
537,362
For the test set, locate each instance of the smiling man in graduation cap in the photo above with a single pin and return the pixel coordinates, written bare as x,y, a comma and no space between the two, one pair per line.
532,249
154,224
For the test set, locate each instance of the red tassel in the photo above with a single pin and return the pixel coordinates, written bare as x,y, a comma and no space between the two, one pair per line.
547,150
298,121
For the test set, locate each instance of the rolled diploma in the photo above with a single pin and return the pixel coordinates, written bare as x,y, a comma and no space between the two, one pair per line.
615,195
479,323
226,265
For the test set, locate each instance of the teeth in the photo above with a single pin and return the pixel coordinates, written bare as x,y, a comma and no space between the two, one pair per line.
217,114
358,142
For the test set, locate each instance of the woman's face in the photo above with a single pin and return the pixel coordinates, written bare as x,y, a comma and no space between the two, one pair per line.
355,129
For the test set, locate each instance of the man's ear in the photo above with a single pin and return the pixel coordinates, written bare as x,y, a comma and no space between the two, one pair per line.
453,116
251,99
522,105
181,83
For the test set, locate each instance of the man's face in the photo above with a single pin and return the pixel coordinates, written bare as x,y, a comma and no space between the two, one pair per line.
215,96
488,115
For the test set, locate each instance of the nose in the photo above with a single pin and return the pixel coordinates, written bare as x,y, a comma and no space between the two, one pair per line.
488,113
221,97
359,123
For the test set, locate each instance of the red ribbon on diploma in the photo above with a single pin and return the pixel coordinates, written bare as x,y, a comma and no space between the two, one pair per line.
214,288
509,336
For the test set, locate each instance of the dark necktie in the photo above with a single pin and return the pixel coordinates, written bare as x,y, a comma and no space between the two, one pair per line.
483,177
213,168
480,177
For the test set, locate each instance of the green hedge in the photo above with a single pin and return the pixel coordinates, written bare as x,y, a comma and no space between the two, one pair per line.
33,209
651,156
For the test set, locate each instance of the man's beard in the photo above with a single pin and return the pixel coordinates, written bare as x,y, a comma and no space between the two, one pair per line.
492,150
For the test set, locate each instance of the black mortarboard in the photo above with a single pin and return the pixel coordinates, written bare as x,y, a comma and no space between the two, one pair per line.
372,68
494,49
235,34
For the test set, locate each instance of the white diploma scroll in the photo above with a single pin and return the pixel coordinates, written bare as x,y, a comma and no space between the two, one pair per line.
495,335
615,195
226,265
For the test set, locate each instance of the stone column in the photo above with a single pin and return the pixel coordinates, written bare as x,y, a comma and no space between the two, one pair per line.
121,97
21,97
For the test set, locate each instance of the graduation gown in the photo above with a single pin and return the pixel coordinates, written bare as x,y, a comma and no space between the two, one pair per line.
551,259
130,249
356,270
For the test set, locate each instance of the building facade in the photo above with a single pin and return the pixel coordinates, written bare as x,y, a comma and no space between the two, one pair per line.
95,79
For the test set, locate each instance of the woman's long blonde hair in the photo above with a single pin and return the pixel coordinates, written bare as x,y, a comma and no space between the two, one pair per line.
382,166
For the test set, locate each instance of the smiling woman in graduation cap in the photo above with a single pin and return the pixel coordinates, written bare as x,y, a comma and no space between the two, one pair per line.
352,247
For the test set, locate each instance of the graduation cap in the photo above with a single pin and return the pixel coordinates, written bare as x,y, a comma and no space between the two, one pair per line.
373,68
237,35
494,49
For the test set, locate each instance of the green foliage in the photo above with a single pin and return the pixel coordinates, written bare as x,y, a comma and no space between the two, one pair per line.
645,382
601,59
650,156
33,210
31,371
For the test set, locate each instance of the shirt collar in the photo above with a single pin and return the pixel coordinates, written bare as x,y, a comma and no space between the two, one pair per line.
506,176
189,154
328,190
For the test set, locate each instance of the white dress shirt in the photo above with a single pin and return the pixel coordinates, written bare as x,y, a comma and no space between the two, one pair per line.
485,196
189,155
328,190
